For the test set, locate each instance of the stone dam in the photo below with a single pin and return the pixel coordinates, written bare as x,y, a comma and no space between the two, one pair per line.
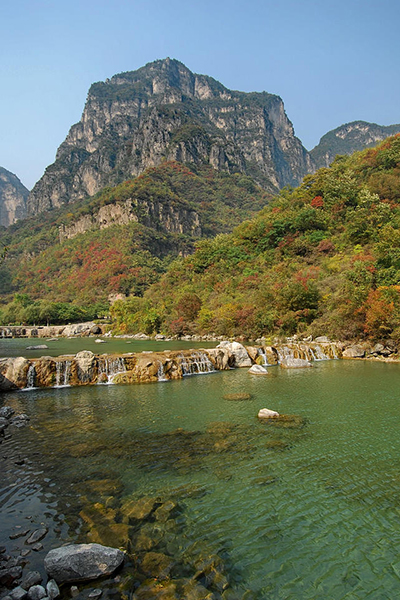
87,368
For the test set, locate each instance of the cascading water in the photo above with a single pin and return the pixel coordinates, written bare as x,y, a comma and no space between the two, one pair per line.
63,371
109,367
31,377
196,364
160,372
307,352
261,352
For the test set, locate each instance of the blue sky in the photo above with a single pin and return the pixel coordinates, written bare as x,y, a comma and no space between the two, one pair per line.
331,62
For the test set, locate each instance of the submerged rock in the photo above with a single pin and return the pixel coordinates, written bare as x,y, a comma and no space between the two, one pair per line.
82,562
138,510
294,363
6,412
266,413
239,396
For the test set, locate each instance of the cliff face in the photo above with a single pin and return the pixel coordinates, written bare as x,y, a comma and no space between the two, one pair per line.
13,198
163,111
349,138
152,213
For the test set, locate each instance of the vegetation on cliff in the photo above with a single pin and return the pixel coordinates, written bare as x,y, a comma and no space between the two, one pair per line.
323,258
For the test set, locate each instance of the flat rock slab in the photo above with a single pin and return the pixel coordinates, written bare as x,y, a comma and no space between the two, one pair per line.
37,535
82,562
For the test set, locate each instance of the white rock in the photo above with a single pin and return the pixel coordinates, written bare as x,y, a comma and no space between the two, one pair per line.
266,413
238,352
258,370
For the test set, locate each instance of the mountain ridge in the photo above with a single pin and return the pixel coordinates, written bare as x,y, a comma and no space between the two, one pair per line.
163,111
348,138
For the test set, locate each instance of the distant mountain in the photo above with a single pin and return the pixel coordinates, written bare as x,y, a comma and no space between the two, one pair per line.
163,111
349,138
13,198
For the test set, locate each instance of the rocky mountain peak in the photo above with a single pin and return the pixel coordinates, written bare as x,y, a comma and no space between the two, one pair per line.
164,112
349,138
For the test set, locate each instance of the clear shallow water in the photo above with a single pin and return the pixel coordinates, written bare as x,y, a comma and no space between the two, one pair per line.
61,346
295,513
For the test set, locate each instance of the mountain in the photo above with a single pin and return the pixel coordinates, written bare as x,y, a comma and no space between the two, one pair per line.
13,198
163,111
349,138
321,259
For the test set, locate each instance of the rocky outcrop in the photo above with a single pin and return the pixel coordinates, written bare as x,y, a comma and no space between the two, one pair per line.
349,138
163,111
82,562
13,198
151,213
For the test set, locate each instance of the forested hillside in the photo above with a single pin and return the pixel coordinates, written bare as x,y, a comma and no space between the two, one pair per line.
62,266
323,258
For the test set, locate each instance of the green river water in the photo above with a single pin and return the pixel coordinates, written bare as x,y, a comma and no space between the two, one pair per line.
295,512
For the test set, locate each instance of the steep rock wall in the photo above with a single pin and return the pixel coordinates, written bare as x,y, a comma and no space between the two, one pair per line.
163,111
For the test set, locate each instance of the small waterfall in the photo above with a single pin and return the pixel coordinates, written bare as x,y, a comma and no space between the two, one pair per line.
31,378
284,352
160,372
306,351
63,371
195,364
109,367
320,354
261,352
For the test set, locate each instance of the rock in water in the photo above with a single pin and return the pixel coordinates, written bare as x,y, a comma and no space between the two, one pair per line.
266,413
40,347
258,370
294,363
82,562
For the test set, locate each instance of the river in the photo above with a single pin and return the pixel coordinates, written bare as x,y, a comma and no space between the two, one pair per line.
304,509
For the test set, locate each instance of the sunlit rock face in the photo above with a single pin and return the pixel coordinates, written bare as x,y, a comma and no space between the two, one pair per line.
13,198
163,111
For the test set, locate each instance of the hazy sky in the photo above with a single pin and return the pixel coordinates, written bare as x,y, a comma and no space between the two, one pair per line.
331,61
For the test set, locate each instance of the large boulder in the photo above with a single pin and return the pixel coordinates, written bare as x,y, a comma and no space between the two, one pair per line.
13,372
82,562
85,363
238,353
354,352
219,357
